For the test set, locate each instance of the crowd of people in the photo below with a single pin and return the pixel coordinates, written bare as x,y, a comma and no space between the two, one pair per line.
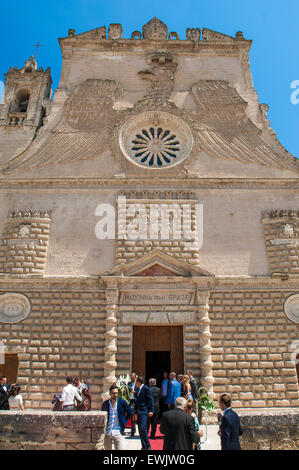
75,396
174,404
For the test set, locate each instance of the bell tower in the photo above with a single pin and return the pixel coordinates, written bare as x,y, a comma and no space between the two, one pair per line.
26,96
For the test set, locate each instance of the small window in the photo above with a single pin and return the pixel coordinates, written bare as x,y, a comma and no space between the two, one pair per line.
22,101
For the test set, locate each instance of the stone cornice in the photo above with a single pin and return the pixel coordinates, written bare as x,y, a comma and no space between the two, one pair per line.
226,47
96,283
148,183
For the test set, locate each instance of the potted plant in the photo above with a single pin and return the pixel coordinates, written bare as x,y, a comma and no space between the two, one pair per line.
123,389
204,403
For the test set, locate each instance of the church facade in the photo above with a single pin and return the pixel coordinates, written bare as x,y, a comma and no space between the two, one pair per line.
148,220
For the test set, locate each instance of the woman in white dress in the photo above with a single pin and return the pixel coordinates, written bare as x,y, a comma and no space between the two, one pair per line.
15,398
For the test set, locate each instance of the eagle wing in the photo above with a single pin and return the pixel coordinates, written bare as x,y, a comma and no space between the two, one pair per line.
86,129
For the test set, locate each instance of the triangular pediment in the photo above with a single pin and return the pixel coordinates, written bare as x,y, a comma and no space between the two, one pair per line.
210,35
157,263
96,33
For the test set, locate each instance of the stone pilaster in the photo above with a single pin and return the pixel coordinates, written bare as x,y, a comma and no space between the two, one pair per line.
110,338
205,350
281,232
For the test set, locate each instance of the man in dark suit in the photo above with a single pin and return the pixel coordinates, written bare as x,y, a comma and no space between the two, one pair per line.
193,383
145,409
4,388
153,420
132,387
230,428
174,391
181,382
164,391
119,413
179,428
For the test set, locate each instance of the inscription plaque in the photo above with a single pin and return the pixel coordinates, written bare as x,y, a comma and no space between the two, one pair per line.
14,307
291,308
156,298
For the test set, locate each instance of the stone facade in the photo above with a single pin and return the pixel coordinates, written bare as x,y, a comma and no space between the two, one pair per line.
145,134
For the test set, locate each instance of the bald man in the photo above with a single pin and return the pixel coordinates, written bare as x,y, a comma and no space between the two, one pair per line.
179,428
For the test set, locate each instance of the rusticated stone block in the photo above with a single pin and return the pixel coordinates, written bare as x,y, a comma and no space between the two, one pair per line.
42,430
271,429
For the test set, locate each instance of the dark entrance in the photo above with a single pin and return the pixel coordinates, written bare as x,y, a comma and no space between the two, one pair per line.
156,362
10,368
157,349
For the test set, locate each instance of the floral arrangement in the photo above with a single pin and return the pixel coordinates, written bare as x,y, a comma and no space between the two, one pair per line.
204,400
123,389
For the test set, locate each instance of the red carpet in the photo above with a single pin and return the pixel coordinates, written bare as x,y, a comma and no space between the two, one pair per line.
157,444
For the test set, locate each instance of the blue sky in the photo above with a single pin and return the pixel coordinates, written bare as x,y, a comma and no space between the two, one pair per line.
273,26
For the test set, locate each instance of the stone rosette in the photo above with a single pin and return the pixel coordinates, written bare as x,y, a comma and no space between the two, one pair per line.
155,140
291,308
14,307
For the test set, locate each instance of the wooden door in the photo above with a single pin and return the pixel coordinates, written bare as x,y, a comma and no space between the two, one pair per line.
157,338
10,368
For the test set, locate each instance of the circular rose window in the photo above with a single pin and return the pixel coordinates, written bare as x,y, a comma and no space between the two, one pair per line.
156,140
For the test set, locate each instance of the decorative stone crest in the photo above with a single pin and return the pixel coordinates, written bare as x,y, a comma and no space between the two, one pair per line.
291,308
115,31
14,307
161,74
288,230
193,34
30,214
30,65
155,29
23,231
276,213
264,109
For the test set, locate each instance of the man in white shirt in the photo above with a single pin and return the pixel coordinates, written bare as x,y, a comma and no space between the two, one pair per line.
69,393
